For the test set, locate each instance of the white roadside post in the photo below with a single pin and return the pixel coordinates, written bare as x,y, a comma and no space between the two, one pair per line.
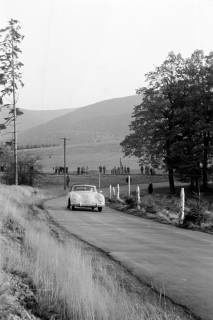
138,198
118,192
110,191
99,180
129,187
113,192
182,205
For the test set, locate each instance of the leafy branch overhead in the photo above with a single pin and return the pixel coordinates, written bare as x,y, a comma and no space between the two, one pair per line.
174,121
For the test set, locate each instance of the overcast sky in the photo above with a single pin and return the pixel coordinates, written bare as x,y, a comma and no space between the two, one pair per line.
77,52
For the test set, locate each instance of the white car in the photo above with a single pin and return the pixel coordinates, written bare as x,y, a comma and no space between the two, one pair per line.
84,195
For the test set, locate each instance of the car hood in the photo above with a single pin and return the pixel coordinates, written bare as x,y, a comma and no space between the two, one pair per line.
85,194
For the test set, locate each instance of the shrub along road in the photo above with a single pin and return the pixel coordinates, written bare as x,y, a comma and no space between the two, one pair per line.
176,261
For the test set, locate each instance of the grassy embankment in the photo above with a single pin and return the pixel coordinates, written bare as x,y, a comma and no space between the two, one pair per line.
43,275
163,207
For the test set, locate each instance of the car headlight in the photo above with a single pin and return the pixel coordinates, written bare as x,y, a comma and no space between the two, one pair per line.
100,199
75,198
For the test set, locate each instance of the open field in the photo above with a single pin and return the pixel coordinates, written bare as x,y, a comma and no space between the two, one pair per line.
91,155
56,276
52,180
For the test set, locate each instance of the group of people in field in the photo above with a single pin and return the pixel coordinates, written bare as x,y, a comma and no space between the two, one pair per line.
60,170
102,169
120,170
147,170
82,170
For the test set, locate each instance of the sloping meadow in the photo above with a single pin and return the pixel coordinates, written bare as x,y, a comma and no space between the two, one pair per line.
44,276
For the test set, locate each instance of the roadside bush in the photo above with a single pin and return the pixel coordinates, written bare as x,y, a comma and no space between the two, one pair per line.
28,168
148,202
166,208
14,227
130,202
194,216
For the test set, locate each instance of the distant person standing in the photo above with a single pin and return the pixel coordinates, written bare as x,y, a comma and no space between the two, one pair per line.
150,188
100,168
68,181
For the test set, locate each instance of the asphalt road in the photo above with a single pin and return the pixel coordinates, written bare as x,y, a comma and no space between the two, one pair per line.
178,261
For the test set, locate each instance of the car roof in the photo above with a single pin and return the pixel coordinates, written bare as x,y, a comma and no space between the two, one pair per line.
81,185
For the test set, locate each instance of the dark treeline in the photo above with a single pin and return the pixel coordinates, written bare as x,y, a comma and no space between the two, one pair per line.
174,122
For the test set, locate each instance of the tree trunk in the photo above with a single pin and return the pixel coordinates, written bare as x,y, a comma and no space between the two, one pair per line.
192,183
197,184
171,181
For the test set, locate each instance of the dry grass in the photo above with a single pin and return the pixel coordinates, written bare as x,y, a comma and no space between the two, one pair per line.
67,282
7,301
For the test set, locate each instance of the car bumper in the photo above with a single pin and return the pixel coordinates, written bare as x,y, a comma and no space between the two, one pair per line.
94,205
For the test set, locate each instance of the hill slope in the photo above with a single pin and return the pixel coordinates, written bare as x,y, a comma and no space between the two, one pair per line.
33,118
30,119
103,121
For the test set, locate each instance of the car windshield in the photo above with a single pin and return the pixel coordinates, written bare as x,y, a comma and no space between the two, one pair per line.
83,188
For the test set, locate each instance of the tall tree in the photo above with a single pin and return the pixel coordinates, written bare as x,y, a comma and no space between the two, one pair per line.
10,66
175,119
201,76
196,118
153,130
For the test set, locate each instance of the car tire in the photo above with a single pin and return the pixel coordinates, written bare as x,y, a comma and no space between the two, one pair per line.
99,209
68,204
73,208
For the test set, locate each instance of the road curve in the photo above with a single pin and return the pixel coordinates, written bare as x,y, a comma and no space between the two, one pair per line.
178,261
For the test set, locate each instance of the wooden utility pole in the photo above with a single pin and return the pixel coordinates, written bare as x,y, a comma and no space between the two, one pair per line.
65,142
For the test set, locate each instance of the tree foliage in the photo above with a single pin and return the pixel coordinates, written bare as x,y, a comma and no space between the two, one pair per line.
174,120
10,67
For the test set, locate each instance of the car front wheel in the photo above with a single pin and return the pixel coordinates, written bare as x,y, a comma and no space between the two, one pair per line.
99,209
